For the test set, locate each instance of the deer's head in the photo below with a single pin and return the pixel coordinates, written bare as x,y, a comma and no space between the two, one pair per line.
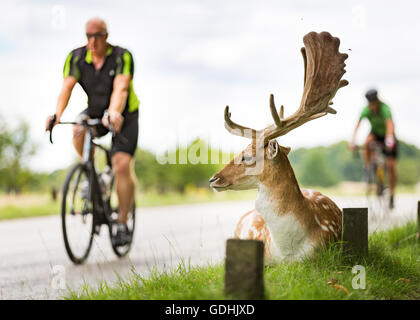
324,68
250,166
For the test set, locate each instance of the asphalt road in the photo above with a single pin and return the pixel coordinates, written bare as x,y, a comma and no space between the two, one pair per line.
34,264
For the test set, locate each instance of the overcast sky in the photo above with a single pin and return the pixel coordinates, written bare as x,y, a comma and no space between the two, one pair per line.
192,58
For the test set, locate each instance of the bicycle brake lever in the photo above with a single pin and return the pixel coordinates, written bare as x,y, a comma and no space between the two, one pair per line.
51,126
116,135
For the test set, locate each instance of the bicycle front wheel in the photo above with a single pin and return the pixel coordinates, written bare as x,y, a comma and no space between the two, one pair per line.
77,214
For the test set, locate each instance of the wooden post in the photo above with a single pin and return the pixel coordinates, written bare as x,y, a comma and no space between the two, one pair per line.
244,269
355,231
418,221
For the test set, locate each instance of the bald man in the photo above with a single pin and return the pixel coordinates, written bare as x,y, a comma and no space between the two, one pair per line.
105,72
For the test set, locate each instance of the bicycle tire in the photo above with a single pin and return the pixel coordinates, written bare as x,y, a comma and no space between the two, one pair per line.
69,214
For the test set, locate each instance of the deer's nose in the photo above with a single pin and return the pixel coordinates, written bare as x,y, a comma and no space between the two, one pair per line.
213,179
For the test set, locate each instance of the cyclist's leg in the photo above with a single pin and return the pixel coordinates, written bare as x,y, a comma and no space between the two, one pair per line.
125,183
391,166
80,131
367,154
123,165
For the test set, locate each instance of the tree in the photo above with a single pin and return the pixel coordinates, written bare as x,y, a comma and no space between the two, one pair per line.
15,150
191,167
408,171
315,171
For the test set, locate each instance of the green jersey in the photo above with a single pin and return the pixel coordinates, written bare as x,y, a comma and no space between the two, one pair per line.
377,120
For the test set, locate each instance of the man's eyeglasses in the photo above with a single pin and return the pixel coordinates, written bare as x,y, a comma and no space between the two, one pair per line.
96,35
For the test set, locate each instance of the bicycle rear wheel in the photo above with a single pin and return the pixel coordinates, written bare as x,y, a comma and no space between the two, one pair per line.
120,251
77,214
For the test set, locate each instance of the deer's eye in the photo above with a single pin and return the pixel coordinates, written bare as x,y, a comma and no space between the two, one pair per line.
247,159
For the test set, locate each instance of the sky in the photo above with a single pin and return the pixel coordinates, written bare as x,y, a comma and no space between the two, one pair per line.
192,58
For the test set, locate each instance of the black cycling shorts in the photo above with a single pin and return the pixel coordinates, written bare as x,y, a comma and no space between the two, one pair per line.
130,131
393,153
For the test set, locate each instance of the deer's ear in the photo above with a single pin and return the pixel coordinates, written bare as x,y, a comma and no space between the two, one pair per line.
285,150
272,149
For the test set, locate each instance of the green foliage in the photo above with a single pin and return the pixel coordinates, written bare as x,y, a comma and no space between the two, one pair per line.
15,149
192,167
325,166
178,169
315,170
408,163
408,171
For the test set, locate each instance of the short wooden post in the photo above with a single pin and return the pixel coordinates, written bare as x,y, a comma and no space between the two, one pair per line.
355,231
244,269
418,221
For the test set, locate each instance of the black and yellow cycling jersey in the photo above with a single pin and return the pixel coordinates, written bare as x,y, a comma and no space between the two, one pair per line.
98,84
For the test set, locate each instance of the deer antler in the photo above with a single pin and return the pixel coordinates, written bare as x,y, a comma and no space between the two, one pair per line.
324,67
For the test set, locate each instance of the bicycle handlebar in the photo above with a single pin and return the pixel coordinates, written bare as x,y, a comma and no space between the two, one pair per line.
87,123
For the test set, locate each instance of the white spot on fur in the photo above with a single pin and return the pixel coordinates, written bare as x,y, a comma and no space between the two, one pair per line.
334,231
324,227
246,226
254,231
325,206
310,193
316,220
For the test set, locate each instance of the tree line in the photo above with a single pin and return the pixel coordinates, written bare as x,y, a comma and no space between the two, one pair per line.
319,166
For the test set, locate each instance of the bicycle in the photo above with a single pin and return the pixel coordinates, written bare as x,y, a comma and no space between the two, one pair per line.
377,191
89,200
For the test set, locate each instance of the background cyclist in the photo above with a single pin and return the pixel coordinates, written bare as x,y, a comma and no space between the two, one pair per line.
105,73
382,130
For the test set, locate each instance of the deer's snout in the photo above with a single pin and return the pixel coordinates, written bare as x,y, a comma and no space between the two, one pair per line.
217,183
213,179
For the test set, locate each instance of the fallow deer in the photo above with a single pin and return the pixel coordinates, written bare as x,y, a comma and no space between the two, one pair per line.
292,222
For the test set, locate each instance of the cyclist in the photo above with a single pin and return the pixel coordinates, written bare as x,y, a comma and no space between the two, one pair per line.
105,72
382,130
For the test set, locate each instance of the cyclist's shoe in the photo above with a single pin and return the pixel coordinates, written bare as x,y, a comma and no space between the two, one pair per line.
122,236
391,202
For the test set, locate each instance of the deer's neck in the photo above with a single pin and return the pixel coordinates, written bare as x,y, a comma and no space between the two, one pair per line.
279,202
278,191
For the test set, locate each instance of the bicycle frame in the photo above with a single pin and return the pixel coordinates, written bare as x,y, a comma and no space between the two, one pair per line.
378,160
100,207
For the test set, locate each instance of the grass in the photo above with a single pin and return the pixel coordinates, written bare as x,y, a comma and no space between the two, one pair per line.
392,272
27,205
